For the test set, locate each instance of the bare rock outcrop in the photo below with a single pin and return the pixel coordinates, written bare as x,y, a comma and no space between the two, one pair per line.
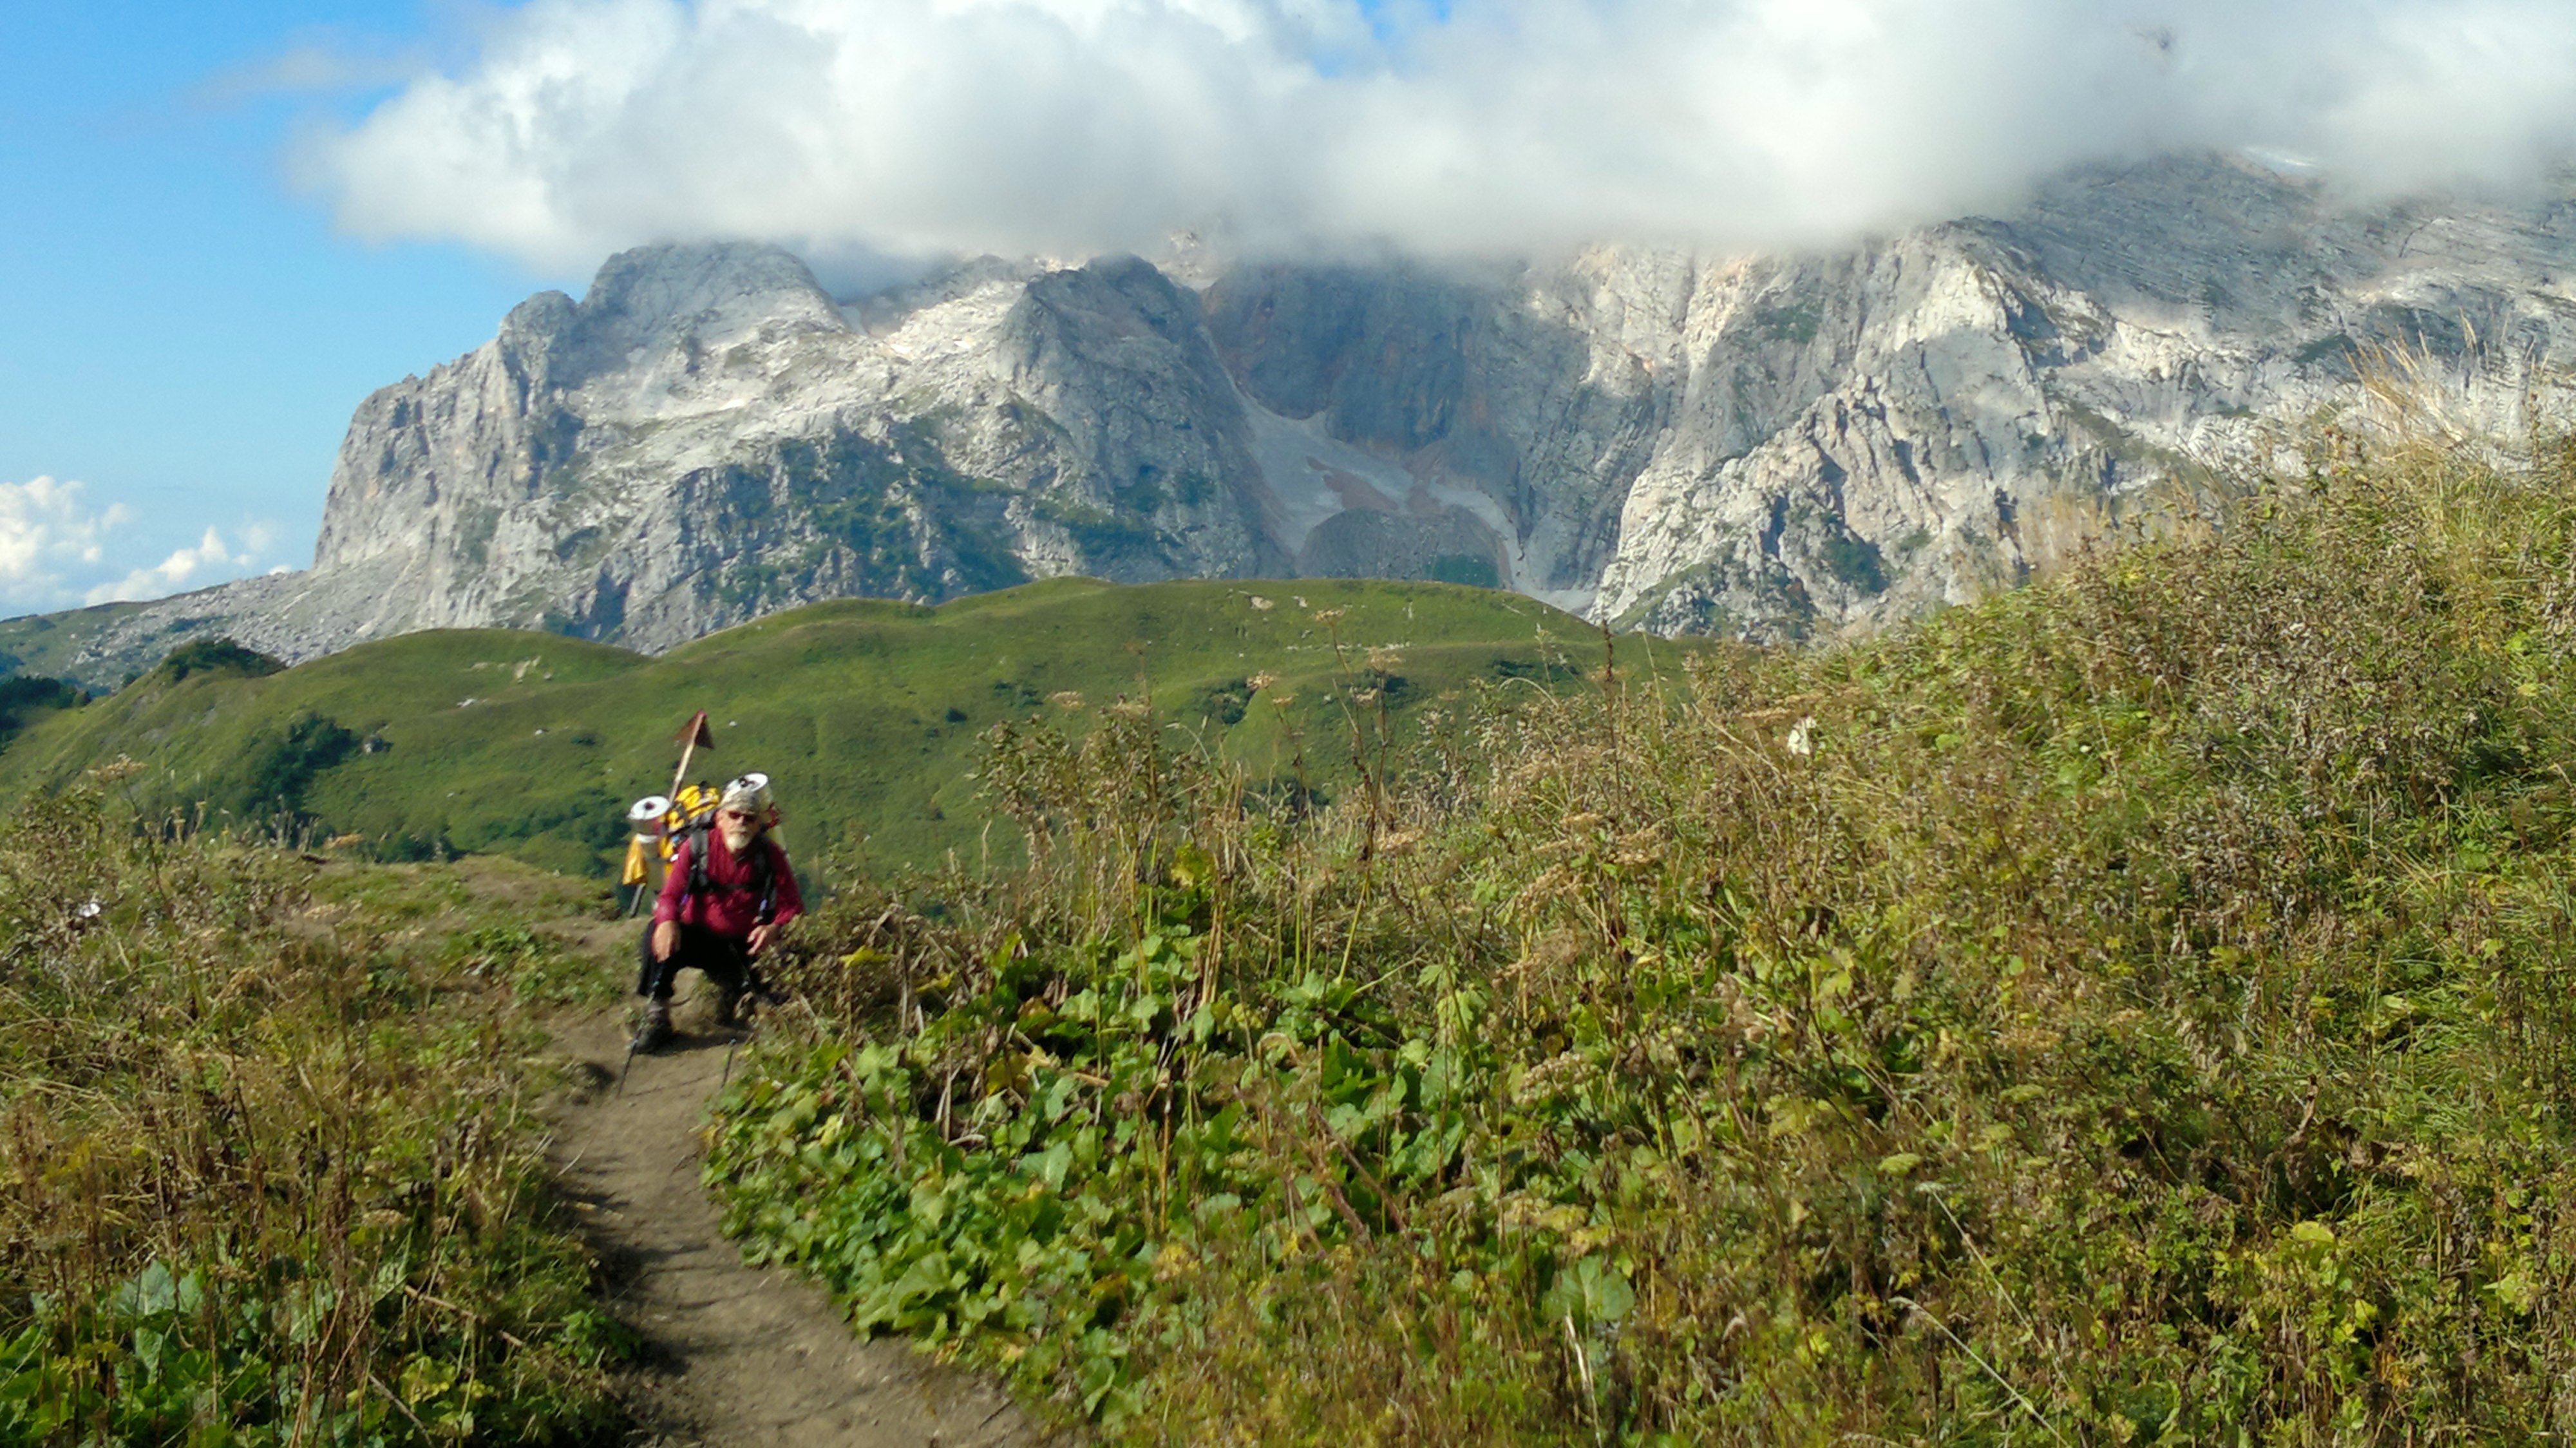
1762,446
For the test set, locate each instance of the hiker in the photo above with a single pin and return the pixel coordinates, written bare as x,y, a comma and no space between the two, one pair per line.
729,893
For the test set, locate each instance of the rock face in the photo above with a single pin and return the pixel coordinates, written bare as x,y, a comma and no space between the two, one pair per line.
1764,446
708,436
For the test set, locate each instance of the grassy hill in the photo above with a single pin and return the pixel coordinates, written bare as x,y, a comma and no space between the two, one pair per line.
2134,1009
43,644
867,713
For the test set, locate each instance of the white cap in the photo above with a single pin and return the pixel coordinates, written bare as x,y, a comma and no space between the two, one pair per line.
749,793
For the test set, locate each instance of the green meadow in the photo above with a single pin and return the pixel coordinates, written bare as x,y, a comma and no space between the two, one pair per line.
868,714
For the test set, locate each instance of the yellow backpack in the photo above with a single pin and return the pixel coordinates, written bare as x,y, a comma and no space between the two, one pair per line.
694,806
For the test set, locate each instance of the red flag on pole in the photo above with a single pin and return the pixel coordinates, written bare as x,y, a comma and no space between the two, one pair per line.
692,739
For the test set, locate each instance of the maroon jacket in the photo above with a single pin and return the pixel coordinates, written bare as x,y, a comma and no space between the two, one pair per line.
730,904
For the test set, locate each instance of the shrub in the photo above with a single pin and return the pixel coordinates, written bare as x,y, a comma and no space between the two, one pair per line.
22,696
216,656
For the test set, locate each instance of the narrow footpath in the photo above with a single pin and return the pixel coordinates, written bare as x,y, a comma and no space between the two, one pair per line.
736,1356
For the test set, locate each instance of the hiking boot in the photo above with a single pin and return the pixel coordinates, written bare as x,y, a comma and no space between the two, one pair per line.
656,1030
729,1012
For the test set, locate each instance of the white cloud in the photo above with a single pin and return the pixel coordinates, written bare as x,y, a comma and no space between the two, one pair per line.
209,561
46,532
1066,126
58,551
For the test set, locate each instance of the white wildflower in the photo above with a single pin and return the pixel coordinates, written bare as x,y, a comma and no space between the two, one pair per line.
1802,736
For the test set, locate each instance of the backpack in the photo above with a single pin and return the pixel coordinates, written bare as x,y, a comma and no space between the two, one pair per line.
764,865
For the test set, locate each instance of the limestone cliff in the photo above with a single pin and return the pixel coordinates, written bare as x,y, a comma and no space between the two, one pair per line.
1767,446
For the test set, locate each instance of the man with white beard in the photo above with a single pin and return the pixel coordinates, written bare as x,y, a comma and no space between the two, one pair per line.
729,893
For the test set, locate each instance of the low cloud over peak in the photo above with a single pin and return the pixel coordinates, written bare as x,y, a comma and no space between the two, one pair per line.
1077,126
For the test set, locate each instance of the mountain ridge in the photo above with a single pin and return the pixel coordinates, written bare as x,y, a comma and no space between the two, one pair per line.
1759,446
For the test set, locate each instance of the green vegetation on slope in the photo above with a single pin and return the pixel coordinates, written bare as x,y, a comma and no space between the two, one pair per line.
2136,1009
43,644
866,713
24,698
267,1174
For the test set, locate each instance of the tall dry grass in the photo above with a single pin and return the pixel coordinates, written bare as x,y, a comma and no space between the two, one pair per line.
2134,1009
267,1172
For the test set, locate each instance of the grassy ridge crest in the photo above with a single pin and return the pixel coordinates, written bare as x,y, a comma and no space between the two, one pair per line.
866,712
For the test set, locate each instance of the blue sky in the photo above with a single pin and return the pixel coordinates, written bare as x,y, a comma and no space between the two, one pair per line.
185,334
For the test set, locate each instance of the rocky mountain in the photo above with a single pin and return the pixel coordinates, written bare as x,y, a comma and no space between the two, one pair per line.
1772,446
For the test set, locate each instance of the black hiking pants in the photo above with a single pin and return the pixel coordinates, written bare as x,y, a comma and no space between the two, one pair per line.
726,961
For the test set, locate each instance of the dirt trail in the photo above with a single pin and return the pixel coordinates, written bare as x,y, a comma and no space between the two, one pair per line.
736,1355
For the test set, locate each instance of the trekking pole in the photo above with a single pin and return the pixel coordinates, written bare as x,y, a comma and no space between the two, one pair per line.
760,1000
629,1066
758,995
